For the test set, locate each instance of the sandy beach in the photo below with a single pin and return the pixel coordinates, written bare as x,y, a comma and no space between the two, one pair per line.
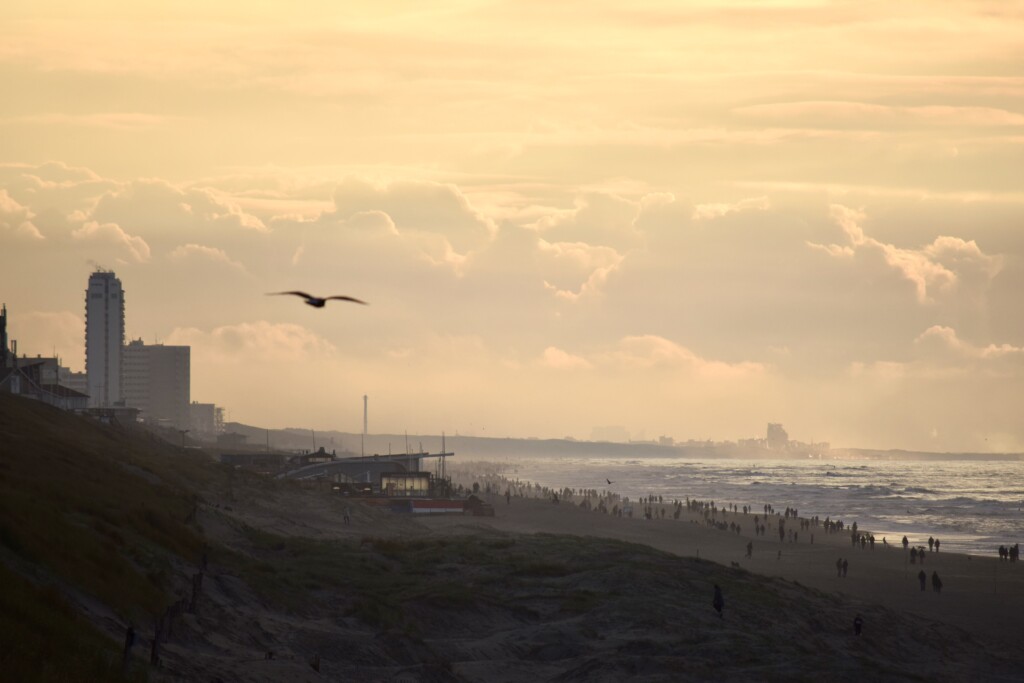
980,594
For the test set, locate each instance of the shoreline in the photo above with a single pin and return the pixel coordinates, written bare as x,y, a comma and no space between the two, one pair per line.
924,517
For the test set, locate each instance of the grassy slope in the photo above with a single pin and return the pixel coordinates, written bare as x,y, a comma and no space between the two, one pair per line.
91,510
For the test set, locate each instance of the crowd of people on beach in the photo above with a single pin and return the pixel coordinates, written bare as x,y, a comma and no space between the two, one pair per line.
490,479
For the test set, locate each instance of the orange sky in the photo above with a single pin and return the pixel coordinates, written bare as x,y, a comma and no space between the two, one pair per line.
675,218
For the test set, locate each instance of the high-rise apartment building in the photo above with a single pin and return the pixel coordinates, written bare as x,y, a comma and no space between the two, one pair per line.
157,381
104,338
777,438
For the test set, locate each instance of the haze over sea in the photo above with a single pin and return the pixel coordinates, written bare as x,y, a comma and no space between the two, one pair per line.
971,506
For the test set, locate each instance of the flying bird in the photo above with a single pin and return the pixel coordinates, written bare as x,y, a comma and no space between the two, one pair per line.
319,302
610,482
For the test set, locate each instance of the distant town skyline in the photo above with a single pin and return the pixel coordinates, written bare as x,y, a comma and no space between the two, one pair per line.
687,219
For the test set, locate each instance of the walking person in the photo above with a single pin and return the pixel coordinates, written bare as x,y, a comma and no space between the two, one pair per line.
718,602
129,641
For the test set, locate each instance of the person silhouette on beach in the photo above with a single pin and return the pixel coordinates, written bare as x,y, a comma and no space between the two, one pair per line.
750,548
846,565
858,624
905,542
936,582
718,602
936,545
923,578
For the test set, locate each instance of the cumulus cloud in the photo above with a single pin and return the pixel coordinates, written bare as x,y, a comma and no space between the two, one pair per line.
936,268
134,247
214,255
650,351
158,207
16,220
555,357
597,218
249,342
586,267
432,223
711,211
946,338
50,173
436,209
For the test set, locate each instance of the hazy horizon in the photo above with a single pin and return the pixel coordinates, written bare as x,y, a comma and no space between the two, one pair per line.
685,219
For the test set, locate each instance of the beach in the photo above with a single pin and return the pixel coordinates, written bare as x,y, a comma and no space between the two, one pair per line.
983,595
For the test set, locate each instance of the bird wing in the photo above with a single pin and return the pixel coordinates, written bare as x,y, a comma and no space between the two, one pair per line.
346,298
302,294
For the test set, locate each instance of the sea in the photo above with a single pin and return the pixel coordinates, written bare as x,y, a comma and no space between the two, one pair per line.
972,507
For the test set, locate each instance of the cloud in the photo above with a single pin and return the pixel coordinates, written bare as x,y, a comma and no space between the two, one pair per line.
210,254
168,213
247,343
586,267
110,233
16,220
555,357
935,269
429,209
652,351
647,353
61,193
597,218
946,339
710,211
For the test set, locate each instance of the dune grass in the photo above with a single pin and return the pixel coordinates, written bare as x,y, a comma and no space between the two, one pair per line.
98,508
44,639
89,512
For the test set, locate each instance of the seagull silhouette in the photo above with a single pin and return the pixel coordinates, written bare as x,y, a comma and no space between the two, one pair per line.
318,302
610,482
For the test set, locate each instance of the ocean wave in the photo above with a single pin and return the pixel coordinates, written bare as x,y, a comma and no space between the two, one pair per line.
918,489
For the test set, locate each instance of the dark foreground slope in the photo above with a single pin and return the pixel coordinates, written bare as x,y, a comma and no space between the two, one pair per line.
101,527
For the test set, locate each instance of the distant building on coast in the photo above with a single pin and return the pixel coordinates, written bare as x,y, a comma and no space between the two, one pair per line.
157,381
104,338
206,420
777,438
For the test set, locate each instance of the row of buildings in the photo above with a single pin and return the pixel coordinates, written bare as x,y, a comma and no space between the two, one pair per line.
153,380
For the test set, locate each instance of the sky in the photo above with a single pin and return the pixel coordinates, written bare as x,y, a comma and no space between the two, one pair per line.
580,219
